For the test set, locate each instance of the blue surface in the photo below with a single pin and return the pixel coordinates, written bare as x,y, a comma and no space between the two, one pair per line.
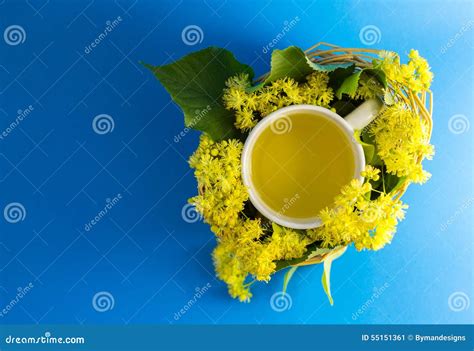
142,252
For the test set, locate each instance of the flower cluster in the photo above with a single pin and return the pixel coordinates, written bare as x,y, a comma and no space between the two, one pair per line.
402,142
244,246
364,214
250,106
369,224
368,87
221,192
415,75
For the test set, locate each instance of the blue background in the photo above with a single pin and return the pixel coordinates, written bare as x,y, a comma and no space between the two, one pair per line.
142,252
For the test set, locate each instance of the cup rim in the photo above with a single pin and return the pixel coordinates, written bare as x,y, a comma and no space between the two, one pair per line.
281,219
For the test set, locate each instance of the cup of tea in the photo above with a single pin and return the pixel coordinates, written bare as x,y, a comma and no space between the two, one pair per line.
296,160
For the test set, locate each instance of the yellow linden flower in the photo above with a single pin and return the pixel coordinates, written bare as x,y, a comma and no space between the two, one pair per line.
245,119
222,193
367,89
416,74
369,224
402,140
234,98
250,107
371,173
316,90
244,249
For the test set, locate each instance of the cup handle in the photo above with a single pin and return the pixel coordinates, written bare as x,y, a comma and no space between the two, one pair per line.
364,114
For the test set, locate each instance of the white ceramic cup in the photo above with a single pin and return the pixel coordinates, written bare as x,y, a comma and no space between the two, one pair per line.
356,120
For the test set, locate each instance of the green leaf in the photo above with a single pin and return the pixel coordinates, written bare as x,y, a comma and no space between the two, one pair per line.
290,62
289,273
277,228
282,264
367,138
255,87
378,74
196,83
392,182
326,281
326,278
339,75
293,63
328,67
319,251
369,152
369,149
350,84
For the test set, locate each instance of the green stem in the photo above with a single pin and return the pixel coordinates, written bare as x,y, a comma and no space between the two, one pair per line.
250,283
383,180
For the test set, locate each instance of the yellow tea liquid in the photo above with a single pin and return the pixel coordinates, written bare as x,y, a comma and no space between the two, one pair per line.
299,168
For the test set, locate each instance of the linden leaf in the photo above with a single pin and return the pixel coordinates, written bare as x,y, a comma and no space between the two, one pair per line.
292,62
369,149
281,264
350,84
325,279
289,273
367,138
392,182
318,252
339,75
378,74
196,82
328,67
276,228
